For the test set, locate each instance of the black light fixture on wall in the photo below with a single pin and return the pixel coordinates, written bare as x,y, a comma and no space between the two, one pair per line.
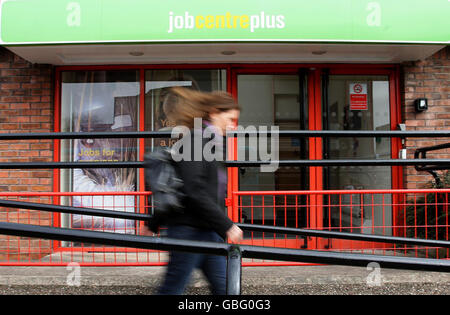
421,104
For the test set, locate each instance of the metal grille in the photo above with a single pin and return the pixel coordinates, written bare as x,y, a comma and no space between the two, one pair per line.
29,251
421,214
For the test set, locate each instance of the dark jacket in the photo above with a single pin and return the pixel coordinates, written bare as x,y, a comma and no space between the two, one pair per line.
204,202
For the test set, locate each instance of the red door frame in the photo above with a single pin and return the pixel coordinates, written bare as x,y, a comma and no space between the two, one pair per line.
393,74
315,123
141,126
233,172
315,118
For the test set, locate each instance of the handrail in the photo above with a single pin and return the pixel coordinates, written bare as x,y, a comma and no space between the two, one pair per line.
440,163
432,168
345,235
347,133
282,133
340,162
72,193
85,135
74,210
257,252
140,164
238,193
333,191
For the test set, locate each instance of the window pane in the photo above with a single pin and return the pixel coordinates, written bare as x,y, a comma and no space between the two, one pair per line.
157,83
94,101
273,100
357,102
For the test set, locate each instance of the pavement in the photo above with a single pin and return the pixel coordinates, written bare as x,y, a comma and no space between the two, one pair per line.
267,280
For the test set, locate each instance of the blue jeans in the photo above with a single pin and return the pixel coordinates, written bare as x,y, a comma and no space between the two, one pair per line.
181,264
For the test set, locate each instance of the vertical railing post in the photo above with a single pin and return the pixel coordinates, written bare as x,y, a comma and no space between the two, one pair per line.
234,270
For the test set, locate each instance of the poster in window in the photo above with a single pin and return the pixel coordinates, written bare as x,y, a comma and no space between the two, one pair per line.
106,112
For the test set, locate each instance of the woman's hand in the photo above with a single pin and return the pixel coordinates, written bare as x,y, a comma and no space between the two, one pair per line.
235,234
145,231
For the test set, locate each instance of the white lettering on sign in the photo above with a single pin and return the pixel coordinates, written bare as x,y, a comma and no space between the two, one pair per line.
74,15
358,96
225,21
374,16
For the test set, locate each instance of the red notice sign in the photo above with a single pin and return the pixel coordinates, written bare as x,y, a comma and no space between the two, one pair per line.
358,96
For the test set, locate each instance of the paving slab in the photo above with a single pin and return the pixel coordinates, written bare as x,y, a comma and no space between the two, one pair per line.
279,280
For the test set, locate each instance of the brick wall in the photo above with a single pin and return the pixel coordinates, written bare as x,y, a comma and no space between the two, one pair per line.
26,105
429,78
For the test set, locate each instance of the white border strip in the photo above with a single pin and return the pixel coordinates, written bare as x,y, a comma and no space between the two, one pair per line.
193,41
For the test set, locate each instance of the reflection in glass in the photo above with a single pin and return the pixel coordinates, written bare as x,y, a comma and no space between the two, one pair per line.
95,101
273,100
357,103
157,85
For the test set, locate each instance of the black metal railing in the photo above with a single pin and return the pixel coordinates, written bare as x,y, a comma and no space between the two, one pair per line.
422,154
423,162
234,253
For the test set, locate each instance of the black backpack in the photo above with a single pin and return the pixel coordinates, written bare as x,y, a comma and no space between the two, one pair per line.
164,182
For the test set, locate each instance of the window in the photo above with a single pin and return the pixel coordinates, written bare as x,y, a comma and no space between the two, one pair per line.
157,83
93,101
108,101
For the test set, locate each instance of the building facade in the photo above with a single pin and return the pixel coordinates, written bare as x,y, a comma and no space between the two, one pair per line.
85,72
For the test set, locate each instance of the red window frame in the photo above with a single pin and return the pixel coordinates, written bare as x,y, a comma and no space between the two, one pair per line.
314,72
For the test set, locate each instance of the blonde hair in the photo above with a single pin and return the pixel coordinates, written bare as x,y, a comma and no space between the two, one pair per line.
182,105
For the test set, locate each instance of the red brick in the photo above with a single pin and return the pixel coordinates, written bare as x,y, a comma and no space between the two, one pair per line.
32,99
46,153
39,188
20,105
19,119
29,153
41,146
10,72
31,85
9,153
9,126
31,126
18,188
29,181
9,181
10,86
39,174
40,118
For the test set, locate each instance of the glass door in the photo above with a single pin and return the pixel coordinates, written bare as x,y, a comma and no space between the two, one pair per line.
357,102
273,100
338,98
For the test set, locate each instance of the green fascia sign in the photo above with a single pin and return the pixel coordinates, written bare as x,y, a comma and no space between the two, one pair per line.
31,22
